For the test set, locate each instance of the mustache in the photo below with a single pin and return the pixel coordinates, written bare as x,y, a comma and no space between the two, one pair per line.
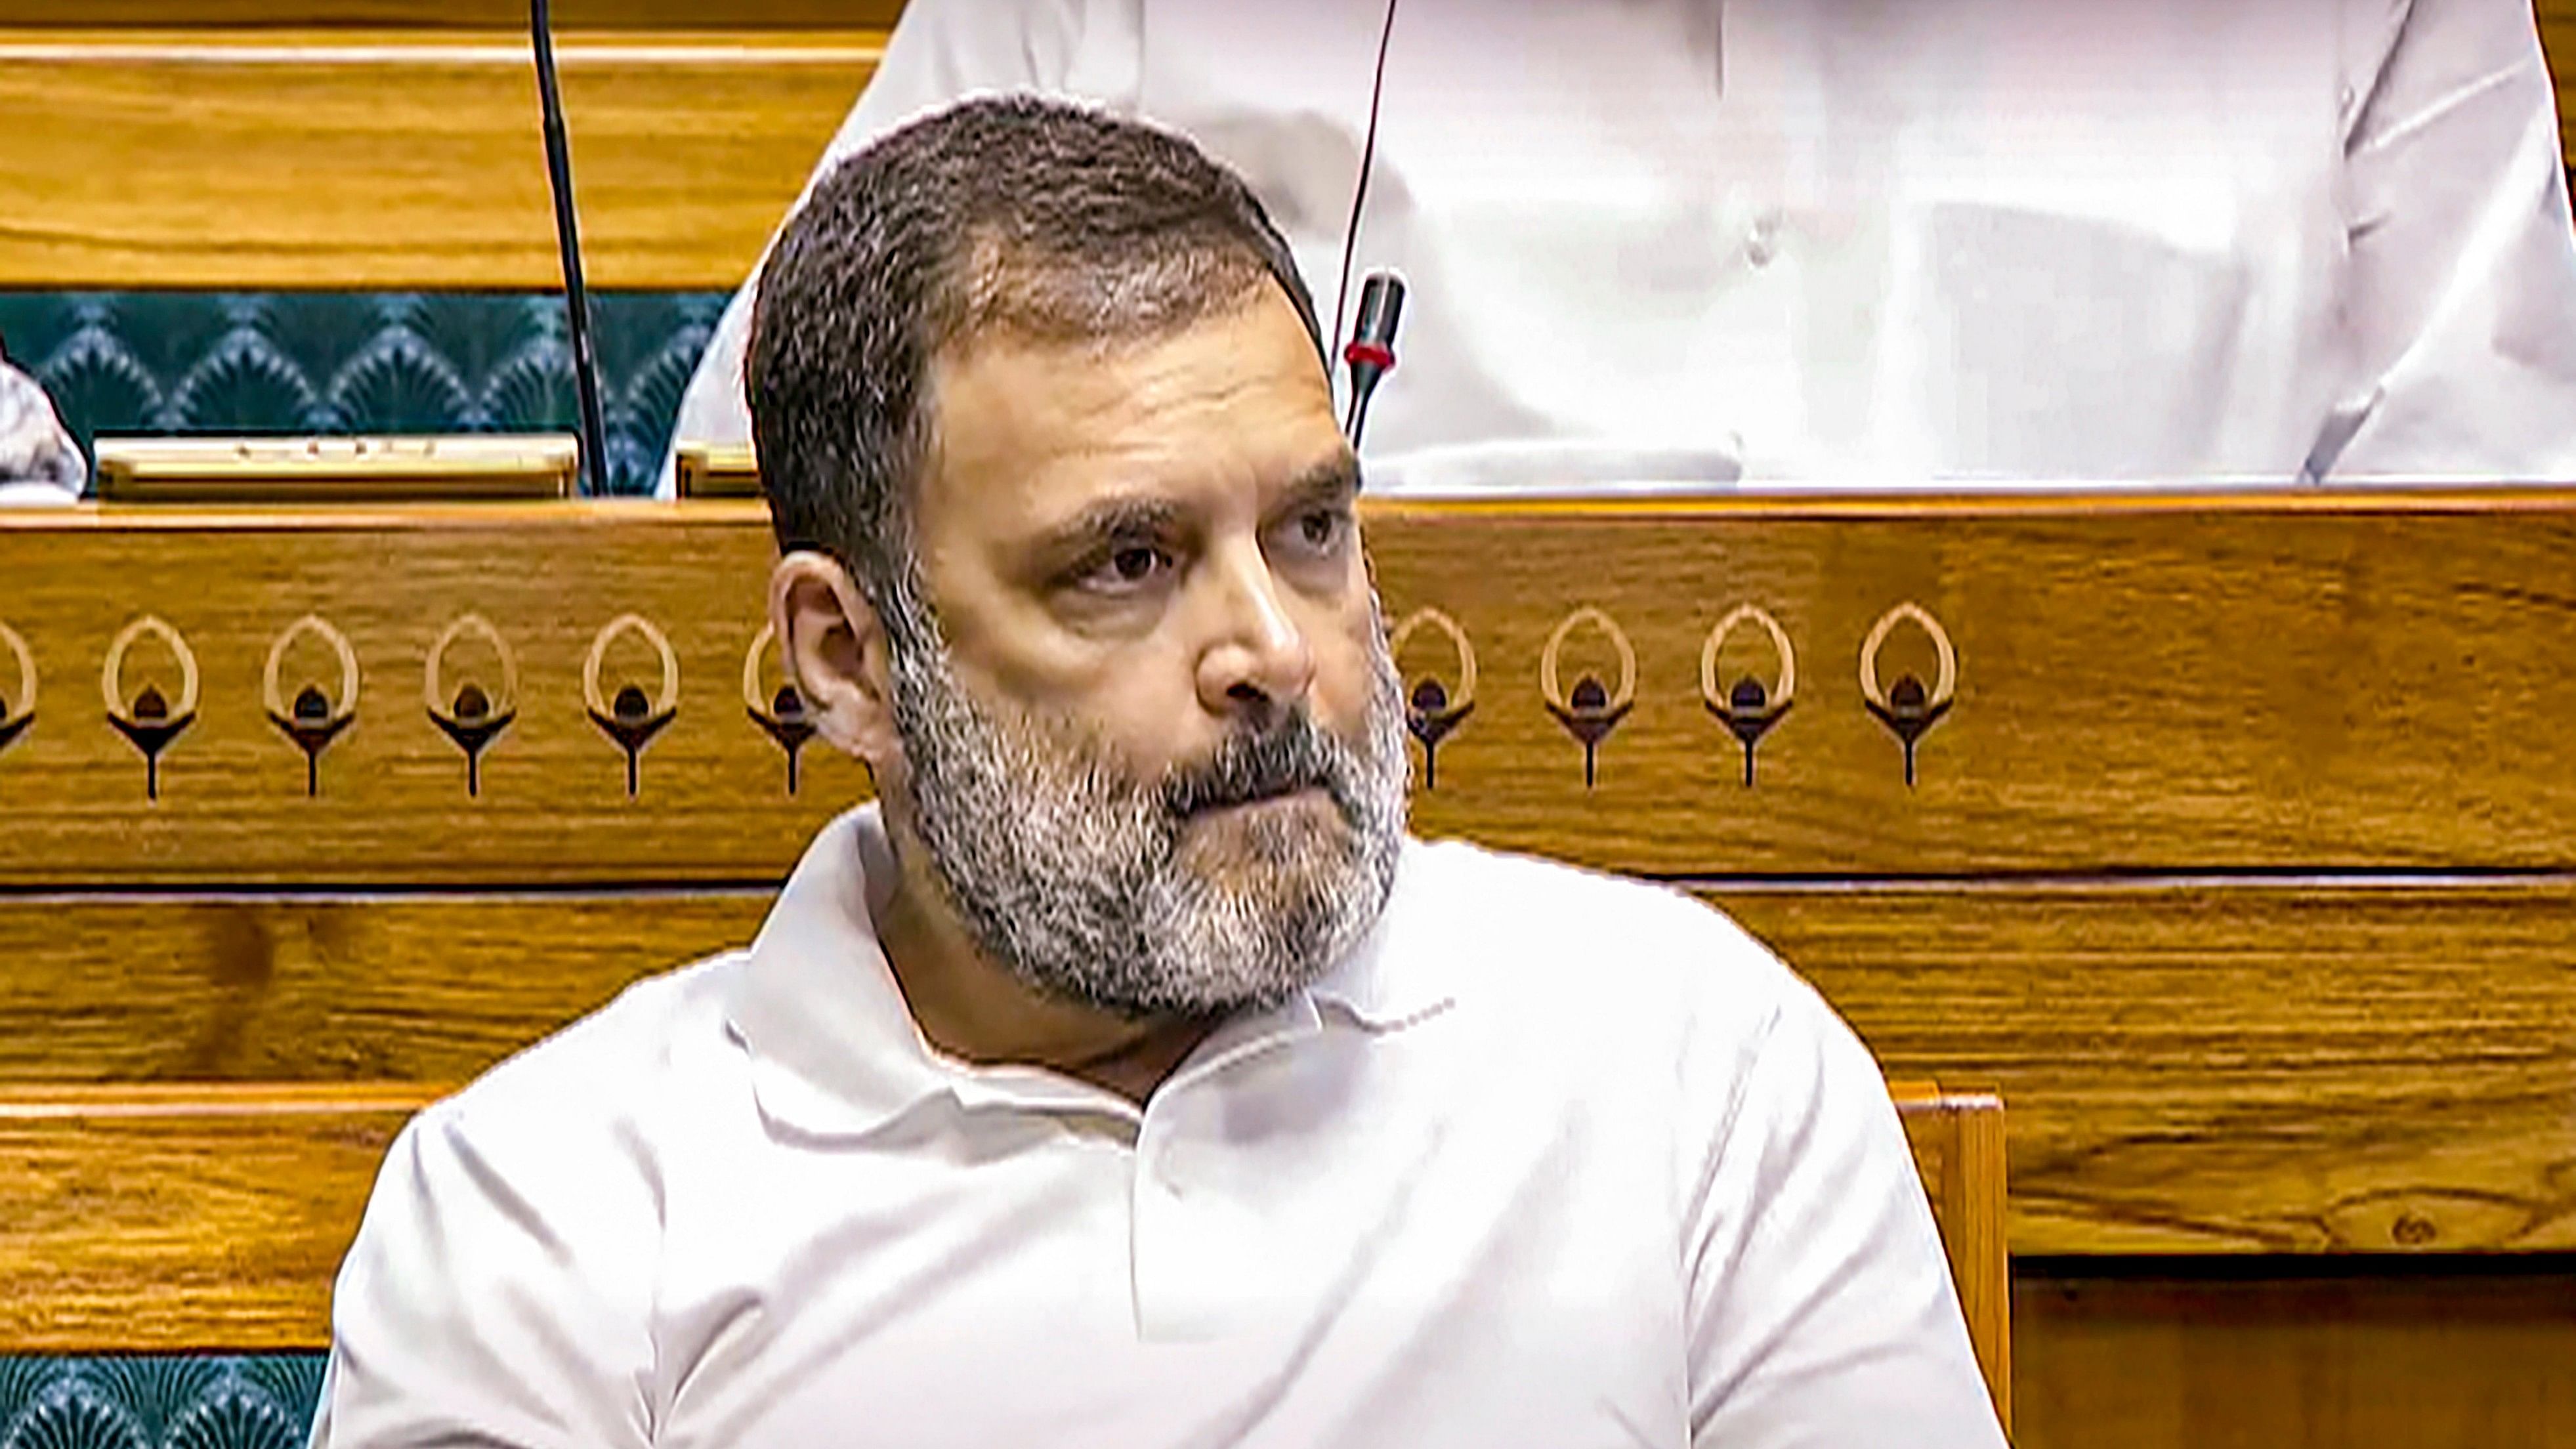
1287,753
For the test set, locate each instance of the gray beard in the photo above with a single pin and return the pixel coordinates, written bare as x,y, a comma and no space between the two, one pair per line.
1075,876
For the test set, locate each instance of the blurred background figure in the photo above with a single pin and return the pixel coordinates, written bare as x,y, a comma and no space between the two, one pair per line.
39,462
1690,243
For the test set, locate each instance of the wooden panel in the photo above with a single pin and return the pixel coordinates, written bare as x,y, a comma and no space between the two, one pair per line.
100,989
2236,1068
2231,1068
400,159
141,1219
392,801
2349,1360
2157,684
1958,1142
2264,683
2558,41
570,16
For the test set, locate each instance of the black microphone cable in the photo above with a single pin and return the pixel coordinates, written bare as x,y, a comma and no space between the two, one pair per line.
1368,163
585,357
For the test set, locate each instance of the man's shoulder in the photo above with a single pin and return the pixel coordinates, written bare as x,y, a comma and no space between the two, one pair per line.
601,1072
1561,935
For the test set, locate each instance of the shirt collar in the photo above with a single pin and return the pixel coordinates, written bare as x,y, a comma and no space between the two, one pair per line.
834,1046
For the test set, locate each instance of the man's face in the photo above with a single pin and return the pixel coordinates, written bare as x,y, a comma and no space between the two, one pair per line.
1158,767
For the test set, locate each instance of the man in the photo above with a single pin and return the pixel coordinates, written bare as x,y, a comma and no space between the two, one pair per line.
1793,242
1130,1079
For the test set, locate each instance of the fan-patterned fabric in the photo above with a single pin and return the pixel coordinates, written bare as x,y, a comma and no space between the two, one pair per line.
158,1401
360,362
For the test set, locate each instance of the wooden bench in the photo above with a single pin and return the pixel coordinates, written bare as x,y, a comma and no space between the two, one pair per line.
2234,858
1958,1141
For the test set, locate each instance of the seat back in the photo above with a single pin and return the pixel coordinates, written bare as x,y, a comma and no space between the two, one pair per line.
1958,1142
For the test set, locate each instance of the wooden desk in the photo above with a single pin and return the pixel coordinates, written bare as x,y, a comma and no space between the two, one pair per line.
2237,861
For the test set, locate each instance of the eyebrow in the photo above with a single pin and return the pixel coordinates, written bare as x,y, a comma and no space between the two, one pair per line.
1337,481
1334,481
1110,518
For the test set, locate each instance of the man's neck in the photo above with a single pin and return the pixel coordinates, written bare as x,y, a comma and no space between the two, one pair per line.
976,1011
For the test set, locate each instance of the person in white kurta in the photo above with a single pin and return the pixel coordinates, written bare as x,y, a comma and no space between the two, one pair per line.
39,462
1551,1159
1704,242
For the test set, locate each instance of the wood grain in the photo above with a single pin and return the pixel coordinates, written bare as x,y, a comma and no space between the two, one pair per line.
2357,1359
2557,20
1958,1142
570,16
2150,686
393,804
2291,682
391,159
2192,1068
323,990
203,1218
2230,1067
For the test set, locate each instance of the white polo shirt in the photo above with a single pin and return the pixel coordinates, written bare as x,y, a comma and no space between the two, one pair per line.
1551,1159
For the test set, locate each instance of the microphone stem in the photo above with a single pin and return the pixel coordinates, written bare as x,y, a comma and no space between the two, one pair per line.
585,360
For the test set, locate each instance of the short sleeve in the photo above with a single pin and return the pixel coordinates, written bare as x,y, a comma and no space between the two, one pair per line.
497,1294
2460,293
1821,1312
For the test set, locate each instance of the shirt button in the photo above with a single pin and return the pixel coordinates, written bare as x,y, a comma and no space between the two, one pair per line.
1761,241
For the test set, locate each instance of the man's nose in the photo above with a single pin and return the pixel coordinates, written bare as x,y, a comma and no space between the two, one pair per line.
1259,659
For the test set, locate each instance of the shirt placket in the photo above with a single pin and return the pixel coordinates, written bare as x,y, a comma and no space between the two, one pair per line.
1197,1261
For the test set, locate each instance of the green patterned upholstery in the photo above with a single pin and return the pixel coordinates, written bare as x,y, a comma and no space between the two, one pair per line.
359,362
158,1402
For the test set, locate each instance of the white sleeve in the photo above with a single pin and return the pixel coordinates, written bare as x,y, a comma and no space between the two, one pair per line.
39,462
941,51
2460,299
497,1295
1821,1312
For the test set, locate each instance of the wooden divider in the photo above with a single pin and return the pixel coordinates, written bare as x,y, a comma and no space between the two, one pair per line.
2231,1067
324,991
2338,684
719,17
404,158
2236,863
2107,894
183,1218
2213,1068
1958,1142
2465,1356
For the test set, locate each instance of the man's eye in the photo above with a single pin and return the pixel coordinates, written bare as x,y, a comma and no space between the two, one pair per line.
1321,528
1129,565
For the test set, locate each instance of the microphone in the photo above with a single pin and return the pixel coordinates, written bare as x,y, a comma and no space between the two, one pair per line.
1371,350
585,357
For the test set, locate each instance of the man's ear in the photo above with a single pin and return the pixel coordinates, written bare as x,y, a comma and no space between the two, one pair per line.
834,649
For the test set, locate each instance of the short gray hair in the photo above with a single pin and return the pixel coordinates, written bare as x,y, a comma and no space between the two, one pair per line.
1045,219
